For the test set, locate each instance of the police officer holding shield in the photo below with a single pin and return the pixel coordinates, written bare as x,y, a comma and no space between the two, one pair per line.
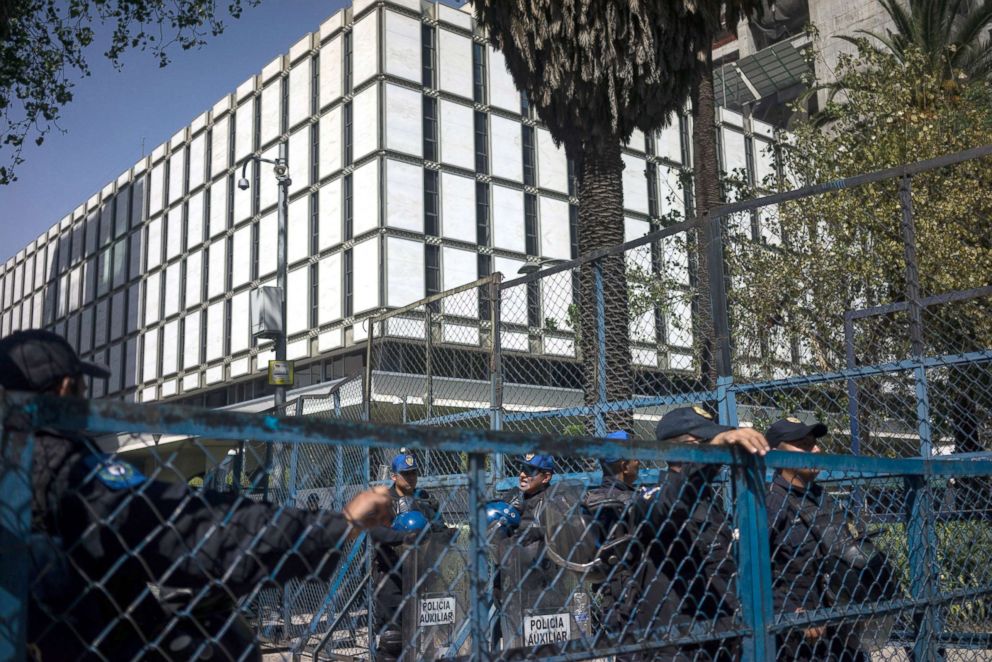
413,510
819,557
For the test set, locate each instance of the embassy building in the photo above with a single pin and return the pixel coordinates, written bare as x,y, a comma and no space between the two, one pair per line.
416,166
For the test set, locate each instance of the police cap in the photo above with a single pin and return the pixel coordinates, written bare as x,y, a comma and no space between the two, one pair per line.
542,462
37,360
689,420
791,429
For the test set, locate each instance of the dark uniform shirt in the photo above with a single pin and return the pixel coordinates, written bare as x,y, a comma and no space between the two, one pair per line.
689,539
105,539
798,516
617,509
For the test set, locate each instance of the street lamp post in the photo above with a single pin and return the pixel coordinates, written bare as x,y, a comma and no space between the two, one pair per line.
281,170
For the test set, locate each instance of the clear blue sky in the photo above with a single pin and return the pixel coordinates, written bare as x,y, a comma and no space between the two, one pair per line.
113,111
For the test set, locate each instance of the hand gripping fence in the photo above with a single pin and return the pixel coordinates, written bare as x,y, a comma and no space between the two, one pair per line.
708,558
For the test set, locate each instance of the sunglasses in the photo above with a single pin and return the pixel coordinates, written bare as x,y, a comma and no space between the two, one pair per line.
530,470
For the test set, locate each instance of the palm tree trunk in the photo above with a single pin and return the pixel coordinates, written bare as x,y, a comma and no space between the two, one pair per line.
706,182
601,226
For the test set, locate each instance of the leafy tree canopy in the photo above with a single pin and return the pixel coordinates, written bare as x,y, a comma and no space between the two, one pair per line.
841,251
43,45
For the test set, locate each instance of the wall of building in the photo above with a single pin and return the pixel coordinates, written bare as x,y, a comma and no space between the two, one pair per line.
416,167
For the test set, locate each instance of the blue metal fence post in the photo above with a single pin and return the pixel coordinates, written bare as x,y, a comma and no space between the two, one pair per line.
754,576
923,567
600,351
478,602
15,529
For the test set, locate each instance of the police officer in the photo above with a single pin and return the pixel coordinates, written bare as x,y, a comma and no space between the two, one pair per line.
691,539
519,546
387,570
105,538
617,509
802,516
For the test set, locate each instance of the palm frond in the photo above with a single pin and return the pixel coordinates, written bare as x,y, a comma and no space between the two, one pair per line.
971,30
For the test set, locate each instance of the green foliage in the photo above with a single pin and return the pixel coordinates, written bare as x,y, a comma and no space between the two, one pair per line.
951,35
43,44
844,250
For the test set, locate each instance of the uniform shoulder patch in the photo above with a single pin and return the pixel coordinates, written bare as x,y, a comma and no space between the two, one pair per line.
113,473
793,419
528,457
702,412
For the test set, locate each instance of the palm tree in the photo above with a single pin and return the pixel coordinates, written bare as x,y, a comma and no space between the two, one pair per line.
595,70
953,35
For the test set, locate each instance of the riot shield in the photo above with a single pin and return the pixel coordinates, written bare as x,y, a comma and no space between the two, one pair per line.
544,606
435,586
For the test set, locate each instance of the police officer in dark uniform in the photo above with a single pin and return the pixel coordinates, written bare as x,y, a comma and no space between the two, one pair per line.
691,541
617,509
387,569
105,539
808,528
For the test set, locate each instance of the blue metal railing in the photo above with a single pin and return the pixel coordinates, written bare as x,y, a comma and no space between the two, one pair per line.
925,603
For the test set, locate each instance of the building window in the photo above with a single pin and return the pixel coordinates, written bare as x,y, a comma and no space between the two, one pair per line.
314,224
685,139
430,128
347,62
652,174
348,209
347,133
530,159
481,143
314,297
652,142
314,151
348,283
427,37
432,262
432,225
530,223
315,85
573,229
284,110
485,267
534,304
479,72
482,214
524,105
573,185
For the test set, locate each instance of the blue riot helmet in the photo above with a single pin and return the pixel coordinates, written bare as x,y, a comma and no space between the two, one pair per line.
411,521
503,513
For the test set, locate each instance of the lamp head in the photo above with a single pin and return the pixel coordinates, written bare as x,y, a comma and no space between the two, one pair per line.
243,184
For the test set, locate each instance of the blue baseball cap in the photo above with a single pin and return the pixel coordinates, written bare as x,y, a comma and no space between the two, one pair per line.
542,462
621,435
689,420
404,462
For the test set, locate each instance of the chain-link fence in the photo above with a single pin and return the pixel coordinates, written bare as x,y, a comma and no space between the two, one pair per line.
877,277
879,558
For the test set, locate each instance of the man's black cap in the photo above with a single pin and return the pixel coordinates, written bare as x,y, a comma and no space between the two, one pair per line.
36,360
689,420
791,429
